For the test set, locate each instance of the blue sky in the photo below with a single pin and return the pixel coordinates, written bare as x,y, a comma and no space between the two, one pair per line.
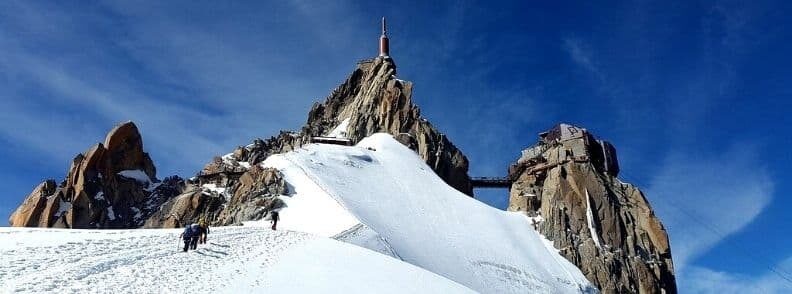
695,96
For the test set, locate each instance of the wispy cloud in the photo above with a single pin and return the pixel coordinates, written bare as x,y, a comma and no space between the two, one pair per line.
704,280
705,198
195,91
86,99
575,47
705,190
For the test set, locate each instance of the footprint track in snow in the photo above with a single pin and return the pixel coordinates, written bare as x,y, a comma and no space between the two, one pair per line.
127,261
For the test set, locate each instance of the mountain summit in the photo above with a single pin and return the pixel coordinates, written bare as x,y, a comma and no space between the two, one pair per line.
371,100
367,169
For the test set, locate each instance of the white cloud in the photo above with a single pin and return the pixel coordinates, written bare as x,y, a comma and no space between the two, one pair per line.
194,90
704,198
575,47
703,280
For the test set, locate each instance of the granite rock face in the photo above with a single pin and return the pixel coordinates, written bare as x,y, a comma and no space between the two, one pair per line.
251,196
33,211
568,185
373,100
112,185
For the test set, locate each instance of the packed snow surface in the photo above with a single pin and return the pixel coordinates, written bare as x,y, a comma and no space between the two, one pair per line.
235,260
390,190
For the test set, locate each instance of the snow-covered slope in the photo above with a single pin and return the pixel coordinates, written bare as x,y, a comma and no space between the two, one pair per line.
378,195
236,260
399,200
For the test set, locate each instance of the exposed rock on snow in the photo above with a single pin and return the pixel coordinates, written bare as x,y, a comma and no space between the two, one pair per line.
251,197
254,195
105,188
186,208
604,226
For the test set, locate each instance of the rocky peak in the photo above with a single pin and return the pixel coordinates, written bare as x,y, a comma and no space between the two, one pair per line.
371,100
111,185
124,150
567,183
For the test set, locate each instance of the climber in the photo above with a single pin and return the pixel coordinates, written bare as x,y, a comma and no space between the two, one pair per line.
190,237
196,234
274,218
203,230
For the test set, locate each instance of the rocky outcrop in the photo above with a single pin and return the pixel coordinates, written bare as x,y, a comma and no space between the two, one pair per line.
371,100
254,195
250,197
33,210
112,185
568,185
186,208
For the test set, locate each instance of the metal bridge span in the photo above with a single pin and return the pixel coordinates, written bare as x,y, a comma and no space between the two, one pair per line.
490,182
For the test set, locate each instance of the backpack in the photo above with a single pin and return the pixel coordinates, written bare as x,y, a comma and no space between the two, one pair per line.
187,232
194,230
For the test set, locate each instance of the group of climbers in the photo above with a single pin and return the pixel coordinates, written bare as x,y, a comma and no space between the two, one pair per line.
195,234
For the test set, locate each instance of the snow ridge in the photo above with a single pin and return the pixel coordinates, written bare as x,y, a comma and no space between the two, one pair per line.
389,189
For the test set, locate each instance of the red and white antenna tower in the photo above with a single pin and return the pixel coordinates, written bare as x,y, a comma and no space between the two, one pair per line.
384,45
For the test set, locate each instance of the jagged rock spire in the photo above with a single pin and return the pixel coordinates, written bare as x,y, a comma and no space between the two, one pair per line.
111,185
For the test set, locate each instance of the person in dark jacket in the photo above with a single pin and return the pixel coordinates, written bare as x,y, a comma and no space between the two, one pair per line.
187,236
195,235
274,218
